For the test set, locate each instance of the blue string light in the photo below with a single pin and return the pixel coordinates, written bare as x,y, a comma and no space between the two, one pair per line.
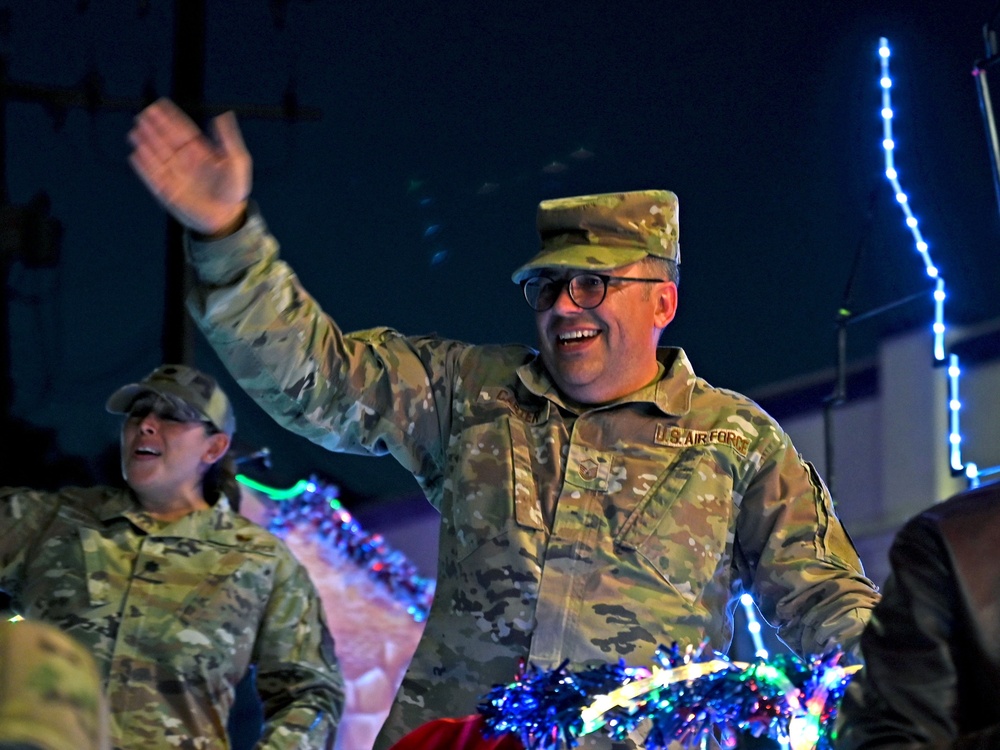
955,460
753,625
954,407
889,148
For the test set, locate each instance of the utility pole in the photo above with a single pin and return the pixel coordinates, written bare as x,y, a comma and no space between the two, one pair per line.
29,234
188,90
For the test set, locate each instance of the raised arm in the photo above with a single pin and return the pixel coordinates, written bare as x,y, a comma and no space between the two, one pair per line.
202,180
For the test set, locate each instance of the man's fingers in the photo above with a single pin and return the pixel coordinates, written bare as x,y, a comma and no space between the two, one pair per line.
165,182
164,128
171,123
151,178
227,134
143,163
195,179
233,157
167,190
146,136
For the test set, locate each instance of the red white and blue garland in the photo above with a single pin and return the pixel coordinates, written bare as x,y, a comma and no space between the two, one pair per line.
679,699
314,505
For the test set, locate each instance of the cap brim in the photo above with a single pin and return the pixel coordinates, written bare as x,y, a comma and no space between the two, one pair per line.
582,257
121,400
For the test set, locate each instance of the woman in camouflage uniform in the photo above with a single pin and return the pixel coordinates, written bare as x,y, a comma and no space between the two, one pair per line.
174,593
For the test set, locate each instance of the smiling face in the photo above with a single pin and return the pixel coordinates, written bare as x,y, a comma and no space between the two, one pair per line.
165,452
598,355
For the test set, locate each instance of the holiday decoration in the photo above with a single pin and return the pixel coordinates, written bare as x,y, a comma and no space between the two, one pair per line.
681,698
314,504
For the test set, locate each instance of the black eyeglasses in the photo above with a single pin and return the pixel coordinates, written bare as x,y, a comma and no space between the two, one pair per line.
587,290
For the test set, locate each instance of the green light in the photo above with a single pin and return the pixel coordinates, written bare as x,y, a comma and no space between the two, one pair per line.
300,487
770,675
273,492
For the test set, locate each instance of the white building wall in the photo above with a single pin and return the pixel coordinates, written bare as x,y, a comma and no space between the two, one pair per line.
891,450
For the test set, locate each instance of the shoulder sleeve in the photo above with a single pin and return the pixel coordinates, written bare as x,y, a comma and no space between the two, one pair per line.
24,515
795,555
298,677
371,392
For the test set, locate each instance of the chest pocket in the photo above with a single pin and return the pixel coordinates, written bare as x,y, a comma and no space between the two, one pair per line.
494,484
233,594
683,524
217,593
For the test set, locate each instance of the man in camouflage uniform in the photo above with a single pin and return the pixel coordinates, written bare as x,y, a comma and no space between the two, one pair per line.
597,498
173,593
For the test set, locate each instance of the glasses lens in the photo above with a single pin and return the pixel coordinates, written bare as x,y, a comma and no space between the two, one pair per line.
540,293
163,407
587,290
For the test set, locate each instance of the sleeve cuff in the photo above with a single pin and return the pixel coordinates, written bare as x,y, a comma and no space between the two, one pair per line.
220,262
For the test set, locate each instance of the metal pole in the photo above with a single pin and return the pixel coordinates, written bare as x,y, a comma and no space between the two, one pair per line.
6,380
986,107
835,399
188,90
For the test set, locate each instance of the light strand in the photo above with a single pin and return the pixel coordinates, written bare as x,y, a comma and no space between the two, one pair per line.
954,409
753,625
888,148
303,485
955,460
313,505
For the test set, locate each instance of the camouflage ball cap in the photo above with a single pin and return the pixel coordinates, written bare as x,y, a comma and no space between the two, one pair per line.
601,232
195,388
50,691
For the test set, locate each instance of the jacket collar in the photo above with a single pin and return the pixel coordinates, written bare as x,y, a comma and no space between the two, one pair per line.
671,393
123,504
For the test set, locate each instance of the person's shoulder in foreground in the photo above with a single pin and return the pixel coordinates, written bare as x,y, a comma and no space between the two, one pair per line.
932,649
50,691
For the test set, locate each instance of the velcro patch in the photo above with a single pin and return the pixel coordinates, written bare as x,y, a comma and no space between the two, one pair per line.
678,437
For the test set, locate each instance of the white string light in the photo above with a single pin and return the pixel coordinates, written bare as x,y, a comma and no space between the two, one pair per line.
938,328
954,407
753,625
888,148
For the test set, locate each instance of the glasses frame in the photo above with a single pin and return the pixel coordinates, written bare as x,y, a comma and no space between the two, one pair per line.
567,283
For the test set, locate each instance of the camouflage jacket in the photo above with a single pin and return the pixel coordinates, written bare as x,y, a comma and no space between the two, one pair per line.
585,537
174,614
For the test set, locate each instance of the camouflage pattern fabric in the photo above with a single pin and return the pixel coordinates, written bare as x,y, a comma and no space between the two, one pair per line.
197,390
50,691
587,536
174,614
605,231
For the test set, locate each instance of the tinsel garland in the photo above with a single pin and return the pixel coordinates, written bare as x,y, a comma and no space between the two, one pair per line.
681,698
317,508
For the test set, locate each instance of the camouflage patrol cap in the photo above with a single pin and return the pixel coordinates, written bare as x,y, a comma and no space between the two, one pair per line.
50,691
195,388
601,232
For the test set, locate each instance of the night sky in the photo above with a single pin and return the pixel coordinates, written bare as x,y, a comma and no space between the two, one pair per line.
412,198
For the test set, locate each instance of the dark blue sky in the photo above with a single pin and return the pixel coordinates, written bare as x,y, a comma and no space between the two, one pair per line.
764,118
